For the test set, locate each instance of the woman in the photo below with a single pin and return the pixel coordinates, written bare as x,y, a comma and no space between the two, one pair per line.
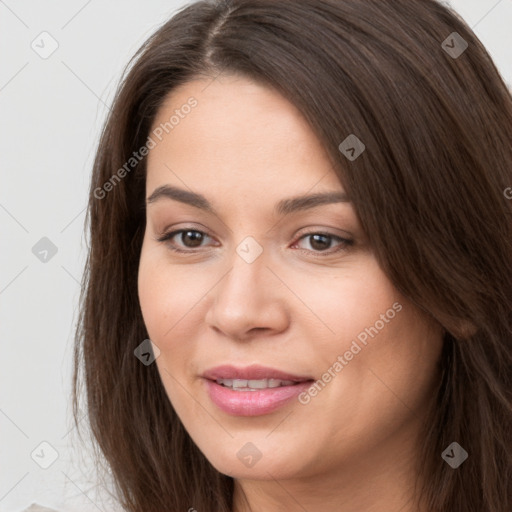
298,294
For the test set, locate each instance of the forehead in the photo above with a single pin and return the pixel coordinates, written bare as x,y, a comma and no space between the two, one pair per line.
237,134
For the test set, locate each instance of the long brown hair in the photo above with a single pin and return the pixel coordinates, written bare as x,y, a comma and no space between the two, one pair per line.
435,117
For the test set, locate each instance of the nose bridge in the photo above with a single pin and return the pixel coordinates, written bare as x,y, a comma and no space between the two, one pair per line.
245,297
248,269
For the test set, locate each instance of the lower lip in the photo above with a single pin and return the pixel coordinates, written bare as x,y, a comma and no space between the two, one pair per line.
253,403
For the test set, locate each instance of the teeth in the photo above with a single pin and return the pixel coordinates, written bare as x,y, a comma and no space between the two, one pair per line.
253,385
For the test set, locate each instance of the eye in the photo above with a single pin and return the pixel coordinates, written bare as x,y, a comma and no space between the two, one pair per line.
191,238
321,243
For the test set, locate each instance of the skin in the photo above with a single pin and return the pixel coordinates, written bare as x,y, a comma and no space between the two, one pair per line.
297,307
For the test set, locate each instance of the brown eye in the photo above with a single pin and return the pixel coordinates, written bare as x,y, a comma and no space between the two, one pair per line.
190,239
322,242
194,237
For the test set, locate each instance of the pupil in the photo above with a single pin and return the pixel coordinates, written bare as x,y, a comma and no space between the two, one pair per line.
321,245
195,236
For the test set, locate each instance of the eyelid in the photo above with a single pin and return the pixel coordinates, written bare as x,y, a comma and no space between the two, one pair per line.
317,230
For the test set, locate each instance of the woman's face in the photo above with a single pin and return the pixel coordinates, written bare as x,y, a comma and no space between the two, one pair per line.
266,279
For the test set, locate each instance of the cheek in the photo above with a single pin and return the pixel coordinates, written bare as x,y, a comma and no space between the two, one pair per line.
341,303
155,301
167,294
166,298
171,300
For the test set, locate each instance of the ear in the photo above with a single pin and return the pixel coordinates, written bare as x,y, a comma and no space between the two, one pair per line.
460,329
463,329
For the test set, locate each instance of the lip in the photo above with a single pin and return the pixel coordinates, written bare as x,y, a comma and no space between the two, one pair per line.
253,403
253,372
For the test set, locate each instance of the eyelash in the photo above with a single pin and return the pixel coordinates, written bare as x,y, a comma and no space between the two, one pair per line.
345,242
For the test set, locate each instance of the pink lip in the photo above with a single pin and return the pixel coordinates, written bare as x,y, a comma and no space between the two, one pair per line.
253,403
253,372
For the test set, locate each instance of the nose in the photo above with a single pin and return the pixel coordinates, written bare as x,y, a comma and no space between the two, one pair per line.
248,300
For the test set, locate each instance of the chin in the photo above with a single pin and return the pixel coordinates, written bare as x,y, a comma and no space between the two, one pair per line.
264,468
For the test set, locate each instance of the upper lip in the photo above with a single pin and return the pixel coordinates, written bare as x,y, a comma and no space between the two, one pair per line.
253,372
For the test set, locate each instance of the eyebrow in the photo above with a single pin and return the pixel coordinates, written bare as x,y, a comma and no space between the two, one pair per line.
283,207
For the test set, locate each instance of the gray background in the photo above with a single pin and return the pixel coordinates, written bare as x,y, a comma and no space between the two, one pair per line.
52,110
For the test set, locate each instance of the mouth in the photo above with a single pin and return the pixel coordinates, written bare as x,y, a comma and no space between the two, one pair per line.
254,384
256,374
254,390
